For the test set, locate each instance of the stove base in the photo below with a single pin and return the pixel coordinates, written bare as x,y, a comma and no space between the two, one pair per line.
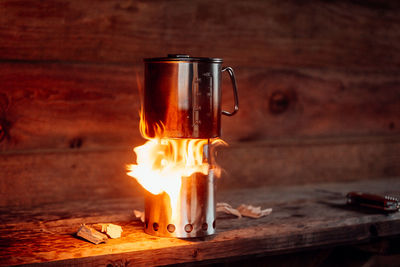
195,210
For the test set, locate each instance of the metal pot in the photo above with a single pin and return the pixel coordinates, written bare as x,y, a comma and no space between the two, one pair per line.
183,95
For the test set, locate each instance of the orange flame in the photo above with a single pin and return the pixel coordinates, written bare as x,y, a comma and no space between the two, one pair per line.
162,162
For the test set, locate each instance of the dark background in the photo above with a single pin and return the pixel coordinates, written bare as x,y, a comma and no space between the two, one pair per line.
319,89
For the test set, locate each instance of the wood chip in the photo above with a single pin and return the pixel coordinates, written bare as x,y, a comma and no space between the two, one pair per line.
112,230
243,210
253,212
91,235
139,215
226,208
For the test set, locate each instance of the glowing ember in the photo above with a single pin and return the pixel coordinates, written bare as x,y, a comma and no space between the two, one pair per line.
163,162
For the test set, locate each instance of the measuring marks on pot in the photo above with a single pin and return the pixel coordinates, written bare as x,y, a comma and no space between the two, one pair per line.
202,99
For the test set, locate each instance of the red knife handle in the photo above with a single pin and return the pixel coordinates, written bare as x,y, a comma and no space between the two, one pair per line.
385,203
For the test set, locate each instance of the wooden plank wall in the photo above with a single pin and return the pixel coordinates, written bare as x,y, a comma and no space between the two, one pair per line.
319,90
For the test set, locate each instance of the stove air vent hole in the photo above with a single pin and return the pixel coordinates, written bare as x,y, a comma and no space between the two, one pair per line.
155,226
171,228
188,228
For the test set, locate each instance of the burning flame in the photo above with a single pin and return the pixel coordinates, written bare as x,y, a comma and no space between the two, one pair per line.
162,163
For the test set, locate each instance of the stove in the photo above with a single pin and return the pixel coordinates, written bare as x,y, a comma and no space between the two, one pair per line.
181,120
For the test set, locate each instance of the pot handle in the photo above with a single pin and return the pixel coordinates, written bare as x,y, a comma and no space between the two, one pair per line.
235,93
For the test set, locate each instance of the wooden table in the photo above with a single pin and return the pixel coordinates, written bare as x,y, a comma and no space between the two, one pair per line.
303,217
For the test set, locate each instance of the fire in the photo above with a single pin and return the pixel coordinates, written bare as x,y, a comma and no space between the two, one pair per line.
163,162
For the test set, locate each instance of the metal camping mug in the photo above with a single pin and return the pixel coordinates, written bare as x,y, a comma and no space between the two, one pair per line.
183,94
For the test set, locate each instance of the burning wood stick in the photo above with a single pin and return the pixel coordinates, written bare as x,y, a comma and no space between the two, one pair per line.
91,235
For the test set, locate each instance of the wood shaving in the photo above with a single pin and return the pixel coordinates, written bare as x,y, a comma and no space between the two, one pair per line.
226,208
139,215
243,210
253,212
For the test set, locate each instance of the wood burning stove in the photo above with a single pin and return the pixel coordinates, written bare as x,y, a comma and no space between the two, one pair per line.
181,118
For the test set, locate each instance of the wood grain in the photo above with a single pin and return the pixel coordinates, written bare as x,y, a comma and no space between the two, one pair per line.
303,218
68,106
361,35
308,161
287,103
85,106
34,179
29,179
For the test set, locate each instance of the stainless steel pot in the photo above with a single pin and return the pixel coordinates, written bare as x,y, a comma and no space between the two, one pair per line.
183,94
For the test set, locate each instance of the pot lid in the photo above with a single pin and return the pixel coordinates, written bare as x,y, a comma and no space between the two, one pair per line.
182,57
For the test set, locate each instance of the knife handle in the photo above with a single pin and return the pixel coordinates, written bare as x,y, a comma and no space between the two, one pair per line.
384,203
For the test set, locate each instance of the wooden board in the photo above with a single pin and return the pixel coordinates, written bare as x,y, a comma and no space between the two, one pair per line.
34,179
303,218
340,34
54,176
68,106
309,161
76,106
